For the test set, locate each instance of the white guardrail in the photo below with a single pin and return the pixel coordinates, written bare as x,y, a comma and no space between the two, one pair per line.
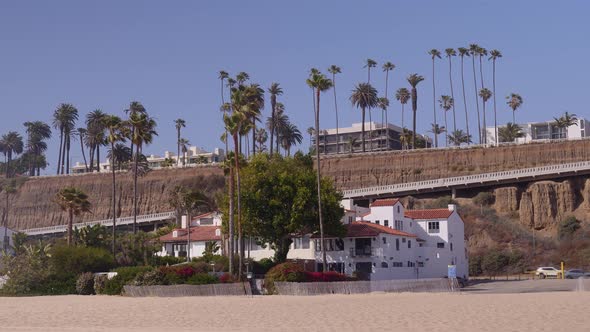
468,179
146,218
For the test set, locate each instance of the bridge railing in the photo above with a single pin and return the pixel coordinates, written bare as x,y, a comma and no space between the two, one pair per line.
105,222
469,179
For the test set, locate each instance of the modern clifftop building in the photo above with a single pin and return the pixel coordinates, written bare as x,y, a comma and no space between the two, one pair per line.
547,130
349,138
193,156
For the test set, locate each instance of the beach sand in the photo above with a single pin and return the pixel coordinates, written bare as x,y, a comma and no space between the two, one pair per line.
556,311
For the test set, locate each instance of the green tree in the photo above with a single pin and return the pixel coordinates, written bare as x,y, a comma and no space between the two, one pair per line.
11,144
403,96
494,55
274,90
437,129
179,124
450,53
446,103
64,120
120,154
369,63
261,138
95,135
75,202
290,136
335,70
510,132
223,75
364,96
280,200
565,121
485,95
184,143
82,132
568,227
434,53
463,52
37,133
414,79
514,102
115,128
459,137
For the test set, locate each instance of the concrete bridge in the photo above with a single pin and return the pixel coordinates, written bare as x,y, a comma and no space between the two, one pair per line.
142,220
471,181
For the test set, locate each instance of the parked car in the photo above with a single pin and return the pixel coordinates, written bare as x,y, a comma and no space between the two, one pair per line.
548,272
576,273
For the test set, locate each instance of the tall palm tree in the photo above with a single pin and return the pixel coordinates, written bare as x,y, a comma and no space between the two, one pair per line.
82,133
446,103
114,126
450,53
335,70
387,67
414,79
183,143
75,202
242,77
434,53
494,55
261,138
120,154
510,132
459,137
310,132
179,124
135,107
279,122
485,95
364,96
383,104
514,102
223,75
463,52
37,133
319,83
142,132
403,96
369,63
404,138
95,124
231,122
274,90
12,144
290,136
437,129
565,121
474,50
64,119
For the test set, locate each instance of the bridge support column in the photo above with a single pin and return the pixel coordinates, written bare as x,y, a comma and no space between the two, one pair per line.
453,193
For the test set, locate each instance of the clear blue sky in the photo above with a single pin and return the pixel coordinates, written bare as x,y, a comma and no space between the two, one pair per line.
166,54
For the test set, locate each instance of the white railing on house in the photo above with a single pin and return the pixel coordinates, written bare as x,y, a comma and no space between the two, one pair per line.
467,180
142,219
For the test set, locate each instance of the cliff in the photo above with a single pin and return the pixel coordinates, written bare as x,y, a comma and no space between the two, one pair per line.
351,171
33,205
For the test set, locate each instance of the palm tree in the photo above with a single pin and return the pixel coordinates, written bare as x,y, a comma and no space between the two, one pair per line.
64,119
95,124
450,53
414,79
383,104
310,132
463,52
335,70
135,107
223,75
261,138
179,124
113,125
352,142
403,96
494,55
75,202
280,121
120,154
364,96
485,95
446,103
319,83
434,53
459,137
510,132
274,90
437,129
37,133
514,102
12,144
143,130
369,63
290,136
565,121
387,67
242,77
183,143
474,50
82,133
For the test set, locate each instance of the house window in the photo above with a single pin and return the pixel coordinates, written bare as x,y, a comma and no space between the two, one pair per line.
409,244
305,242
386,223
384,264
411,264
397,244
338,244
397,264
399,225
420,264
384,240
440,245
433,227
403,240
317,244
377,222
350,219
398,209
451,246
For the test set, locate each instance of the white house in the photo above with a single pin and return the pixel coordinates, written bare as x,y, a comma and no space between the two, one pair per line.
544,130
203,228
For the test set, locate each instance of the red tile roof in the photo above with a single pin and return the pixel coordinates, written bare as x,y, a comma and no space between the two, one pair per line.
203,215
385,202
428,214
198,233
367,229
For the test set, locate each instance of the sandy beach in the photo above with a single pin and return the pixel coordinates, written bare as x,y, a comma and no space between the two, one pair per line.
410,312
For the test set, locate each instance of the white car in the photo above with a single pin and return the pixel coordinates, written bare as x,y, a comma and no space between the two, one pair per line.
548,272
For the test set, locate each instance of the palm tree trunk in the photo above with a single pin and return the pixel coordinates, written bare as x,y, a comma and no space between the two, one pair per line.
188,235
61,138
63,154
84,154
385,111
452,96
336,110
494,92
178,143
70,225
414,109
5,239
446,130
370,130
403,117
98,158
253,136
484,132
363,128
476,100
464,99
434,105
68,156
231,247
272,125
114,202
513,116
135,162
317,143
239,210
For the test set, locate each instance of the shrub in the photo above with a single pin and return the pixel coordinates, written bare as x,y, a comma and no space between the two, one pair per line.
329,276
226,278
85,284
441,202
166,260
262,266
283,272
484,198
125,275
72,261
220,263
202,279
150,278
99,284
568,227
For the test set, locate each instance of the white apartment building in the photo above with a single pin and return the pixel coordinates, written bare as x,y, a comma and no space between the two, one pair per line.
542,131
193,156
382,242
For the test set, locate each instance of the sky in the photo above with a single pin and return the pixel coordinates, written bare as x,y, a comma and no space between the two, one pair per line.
167,55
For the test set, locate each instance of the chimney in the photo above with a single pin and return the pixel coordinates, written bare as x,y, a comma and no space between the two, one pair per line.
452,207
183,222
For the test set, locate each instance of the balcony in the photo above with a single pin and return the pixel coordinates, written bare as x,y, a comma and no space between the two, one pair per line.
366,252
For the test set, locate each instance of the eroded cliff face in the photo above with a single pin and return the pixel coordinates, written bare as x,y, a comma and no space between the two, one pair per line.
33,204
361,170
